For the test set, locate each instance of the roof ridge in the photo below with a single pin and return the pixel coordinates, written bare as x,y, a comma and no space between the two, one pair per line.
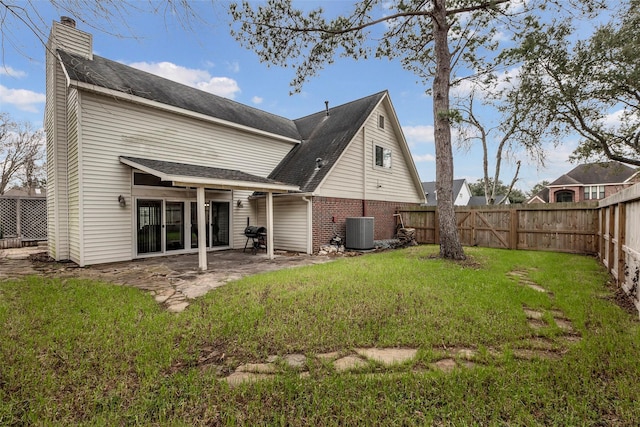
110,74
342,105
223,98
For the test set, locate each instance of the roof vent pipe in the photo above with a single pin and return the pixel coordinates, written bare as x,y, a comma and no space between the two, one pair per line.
326,106
69,22
320,163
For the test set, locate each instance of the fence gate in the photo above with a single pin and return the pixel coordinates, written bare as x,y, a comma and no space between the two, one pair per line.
562,227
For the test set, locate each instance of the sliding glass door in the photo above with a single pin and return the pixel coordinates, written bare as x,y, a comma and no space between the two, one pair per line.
174,238
164,226
149,226
218,223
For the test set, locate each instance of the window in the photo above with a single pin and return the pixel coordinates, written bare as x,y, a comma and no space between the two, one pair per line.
381,121
564,196
383,157
593,192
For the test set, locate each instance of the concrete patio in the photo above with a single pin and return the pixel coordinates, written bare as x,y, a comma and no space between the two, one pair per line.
172,280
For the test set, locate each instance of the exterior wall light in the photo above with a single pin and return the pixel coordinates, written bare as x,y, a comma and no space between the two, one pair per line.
122,201
239,204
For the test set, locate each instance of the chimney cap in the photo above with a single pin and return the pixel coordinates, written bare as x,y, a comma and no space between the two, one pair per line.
68,21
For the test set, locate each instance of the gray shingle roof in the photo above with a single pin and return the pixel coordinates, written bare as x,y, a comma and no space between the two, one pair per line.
482,200
542,195
596,173
429,188
122,78
324,137
197,171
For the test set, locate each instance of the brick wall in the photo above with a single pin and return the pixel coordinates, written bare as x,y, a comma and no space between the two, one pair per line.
330,214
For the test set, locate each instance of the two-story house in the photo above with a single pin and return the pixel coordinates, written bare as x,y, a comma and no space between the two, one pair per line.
591,181
142,166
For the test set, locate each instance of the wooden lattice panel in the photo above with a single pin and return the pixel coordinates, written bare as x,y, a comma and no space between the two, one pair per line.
33,218
8,216
24,217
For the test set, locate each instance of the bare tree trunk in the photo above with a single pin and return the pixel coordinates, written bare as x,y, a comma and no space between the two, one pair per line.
450,246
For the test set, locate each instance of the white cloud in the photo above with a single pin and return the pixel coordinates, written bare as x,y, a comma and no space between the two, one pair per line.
257,100
418,134
500,36
234,67
424,158
614,119
8,71
23,99
504,79
223,86
199,79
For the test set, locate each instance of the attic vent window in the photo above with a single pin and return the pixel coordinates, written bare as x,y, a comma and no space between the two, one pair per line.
383,157
381,121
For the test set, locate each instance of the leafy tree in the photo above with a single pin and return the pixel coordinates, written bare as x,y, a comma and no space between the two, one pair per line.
21,148
513,194
438,40
590,87
503,100
537,188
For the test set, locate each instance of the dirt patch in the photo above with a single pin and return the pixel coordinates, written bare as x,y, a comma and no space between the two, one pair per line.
620,298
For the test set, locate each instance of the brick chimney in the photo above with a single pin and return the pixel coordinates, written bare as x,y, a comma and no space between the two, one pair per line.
69,22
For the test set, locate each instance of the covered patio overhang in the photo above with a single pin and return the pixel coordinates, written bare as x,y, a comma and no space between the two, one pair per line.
201,177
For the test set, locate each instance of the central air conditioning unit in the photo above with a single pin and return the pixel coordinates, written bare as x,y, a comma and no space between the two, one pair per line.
359,233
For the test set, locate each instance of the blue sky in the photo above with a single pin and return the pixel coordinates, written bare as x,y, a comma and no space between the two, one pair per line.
208,57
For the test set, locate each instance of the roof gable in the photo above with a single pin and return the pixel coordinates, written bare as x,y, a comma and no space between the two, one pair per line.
325,136
596,173
118,77
429,188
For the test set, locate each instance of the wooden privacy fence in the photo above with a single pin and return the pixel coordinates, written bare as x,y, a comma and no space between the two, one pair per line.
619,239
561,227
609,228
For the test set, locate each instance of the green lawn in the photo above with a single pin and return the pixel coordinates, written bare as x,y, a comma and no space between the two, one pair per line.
78,352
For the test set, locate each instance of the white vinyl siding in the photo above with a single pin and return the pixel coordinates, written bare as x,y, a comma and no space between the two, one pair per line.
112,128
290,222
240,215
75,249
56,132
72,40
346,178
356,176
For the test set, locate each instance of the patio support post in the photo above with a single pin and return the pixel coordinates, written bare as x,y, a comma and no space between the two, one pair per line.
202,230
270,225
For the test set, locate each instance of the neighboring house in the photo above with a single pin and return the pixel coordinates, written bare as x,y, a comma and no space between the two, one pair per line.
142,166
460,190
482,200
541,196
588,182
461,194
23,192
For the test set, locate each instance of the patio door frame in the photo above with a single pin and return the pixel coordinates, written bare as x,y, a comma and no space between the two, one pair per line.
187,204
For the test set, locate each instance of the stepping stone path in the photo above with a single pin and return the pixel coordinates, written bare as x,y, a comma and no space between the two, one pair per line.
174,289
536,318
366,359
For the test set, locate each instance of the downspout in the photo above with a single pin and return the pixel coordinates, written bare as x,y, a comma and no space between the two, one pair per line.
309,224
364,171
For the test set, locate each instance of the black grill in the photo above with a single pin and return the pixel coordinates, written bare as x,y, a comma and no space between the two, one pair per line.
252,231
258,237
